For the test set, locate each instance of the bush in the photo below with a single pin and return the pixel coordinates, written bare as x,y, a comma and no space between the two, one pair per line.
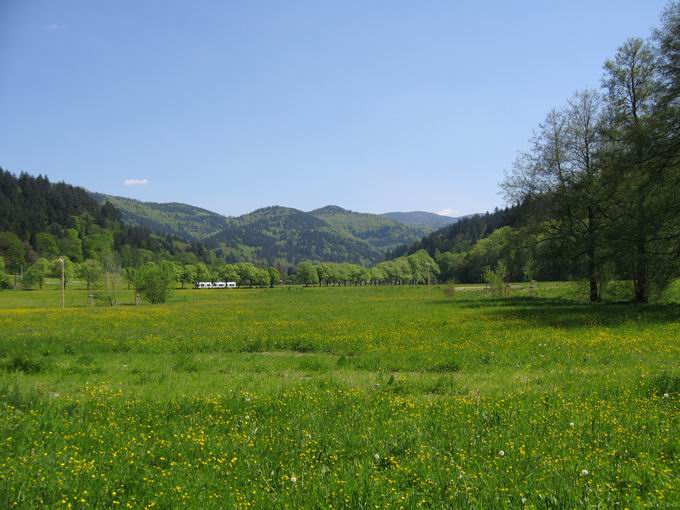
155,281
496,279
665,384
24,364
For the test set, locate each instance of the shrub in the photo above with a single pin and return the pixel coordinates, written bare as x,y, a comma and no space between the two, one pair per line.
22,363
496,278
664,384
155,281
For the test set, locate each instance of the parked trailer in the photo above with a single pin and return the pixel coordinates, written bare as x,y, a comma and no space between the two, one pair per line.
216,285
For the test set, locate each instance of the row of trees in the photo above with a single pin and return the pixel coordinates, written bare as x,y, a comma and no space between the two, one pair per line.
603,172
416,268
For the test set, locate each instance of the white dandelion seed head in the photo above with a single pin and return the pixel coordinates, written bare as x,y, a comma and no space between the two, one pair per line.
501,453
293,479
571,424
584,472
376,456
666,395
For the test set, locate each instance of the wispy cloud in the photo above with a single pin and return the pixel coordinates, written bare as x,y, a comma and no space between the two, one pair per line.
56,26
135,182
449,212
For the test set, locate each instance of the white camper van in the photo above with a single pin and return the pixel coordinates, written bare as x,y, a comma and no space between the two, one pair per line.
220,285
231,285
204,285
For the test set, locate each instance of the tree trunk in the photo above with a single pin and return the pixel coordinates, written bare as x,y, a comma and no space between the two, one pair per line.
641,279
592,260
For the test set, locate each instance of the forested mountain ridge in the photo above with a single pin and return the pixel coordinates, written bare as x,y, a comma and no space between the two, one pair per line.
182,220
360,237
425,219
377,230
41,220
462,234
282,235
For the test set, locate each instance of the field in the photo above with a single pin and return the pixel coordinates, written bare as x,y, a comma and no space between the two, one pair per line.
338,398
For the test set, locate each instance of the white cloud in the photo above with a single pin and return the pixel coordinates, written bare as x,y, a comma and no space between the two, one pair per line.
56,26
449,212
135,182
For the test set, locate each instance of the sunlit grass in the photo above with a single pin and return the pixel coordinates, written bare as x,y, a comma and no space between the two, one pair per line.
338,397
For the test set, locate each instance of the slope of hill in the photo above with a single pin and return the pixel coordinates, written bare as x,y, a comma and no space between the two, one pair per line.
377,230
44,220
285,235
462,234
429,220
182,220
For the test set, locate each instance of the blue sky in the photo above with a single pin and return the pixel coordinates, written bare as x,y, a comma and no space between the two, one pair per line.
371,105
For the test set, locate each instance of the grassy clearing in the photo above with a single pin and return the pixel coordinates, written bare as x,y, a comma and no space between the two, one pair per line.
338,397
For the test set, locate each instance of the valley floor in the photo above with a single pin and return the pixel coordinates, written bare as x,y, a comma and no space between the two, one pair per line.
338,398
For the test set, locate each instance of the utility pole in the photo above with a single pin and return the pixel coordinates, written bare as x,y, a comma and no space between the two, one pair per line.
63,283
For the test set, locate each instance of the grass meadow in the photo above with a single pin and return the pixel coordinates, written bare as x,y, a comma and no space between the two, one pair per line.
350,398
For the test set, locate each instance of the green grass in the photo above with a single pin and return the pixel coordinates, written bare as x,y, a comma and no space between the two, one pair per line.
338,398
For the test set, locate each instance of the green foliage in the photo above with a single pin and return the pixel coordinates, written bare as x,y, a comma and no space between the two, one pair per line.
67,269
98,243
497,279
306,273
4,277
12,250
155,281
92,272
36,273
71,245
188,275
46,245
274,276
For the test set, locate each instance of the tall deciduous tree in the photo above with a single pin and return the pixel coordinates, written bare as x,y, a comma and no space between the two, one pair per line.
635,179
561,176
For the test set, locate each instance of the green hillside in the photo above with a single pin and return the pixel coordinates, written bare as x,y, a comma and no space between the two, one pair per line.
275,234
422,219
182,220
286,235
377,230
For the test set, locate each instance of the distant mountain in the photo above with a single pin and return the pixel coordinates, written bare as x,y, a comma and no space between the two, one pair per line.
377,230
281,234
285,235
422,219
182,220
